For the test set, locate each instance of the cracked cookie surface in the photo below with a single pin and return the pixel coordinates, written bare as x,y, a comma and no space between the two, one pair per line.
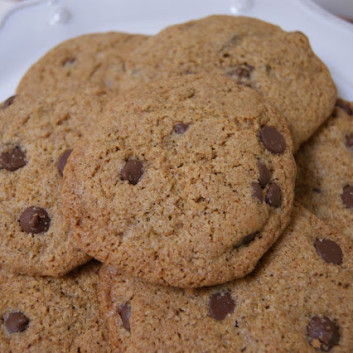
299,299
280,65
36,138
45,314
325,174
186,182
97,58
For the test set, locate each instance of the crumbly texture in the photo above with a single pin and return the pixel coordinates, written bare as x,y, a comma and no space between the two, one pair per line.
281,65
57,314
294,302
34,133
168,189
97,58
325,174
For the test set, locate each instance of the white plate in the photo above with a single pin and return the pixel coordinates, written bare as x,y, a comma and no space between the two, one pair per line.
28,31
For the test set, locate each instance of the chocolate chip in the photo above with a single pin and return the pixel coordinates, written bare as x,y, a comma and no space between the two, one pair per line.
323,333
132,171
16,322
265,175
9,101
257,191
273,195
272,139
12,159
329,250
34,220
180,128
317,190
347,196
125,313
62,161
349,140
347,107
220,305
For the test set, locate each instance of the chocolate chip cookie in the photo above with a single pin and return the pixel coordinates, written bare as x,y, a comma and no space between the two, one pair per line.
280,65
98,58
36,138
299,299
43,314
325,174
186,182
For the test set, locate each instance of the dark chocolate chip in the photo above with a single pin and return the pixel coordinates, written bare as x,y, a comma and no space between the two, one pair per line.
257,191
125,313
16,322
349,140
273,195
329,250
132,171
220,305
347,196
35,220
323,333
62,161
180,128
12,159
346,106
272,139
9,101
317,190
265,175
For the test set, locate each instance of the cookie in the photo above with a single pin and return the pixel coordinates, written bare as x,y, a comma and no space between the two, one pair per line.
186,182
325,174
97,58
45,314
280,65
36,138
299,299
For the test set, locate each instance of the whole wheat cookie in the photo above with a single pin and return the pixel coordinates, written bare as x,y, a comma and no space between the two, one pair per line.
325,173
280,65
36,138
44,314
98,58
299,299
186,182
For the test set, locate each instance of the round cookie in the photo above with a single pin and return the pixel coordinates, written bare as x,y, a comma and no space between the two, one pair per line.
44,314
325,174
299,299
186,182
280,65
98,58
36,136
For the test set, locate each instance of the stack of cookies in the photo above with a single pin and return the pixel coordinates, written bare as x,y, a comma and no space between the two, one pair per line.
186,192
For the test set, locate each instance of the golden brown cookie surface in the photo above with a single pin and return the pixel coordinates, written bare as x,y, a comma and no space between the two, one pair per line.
36,137
280,65
298,300
186,182
325,173
97,58
44,314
